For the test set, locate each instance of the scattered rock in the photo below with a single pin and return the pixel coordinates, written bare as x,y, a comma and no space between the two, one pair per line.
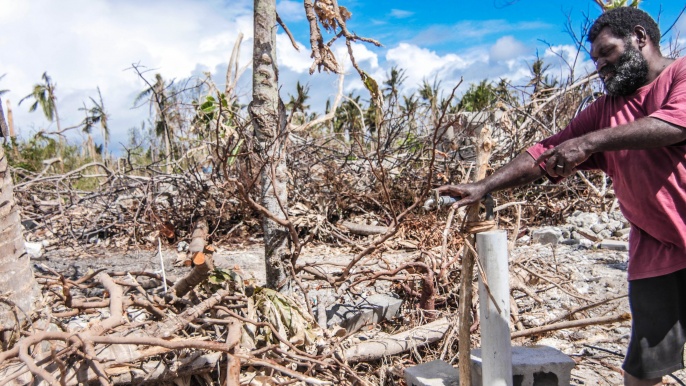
35,250
549,235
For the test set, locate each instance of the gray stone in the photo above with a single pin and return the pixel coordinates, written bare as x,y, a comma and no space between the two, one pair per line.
597,228
622,232
549,235
617,215
605,234
584,220
524,240
604,217
585,244
614,225
434,373
566,233
531,366
587,233
614,245
369,311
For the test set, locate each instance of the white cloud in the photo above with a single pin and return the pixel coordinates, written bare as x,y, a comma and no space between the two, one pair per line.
505,48
400,14
287,56
566,57
421,63
87,43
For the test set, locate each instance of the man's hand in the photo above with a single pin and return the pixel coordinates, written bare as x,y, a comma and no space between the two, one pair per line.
465,194
562,160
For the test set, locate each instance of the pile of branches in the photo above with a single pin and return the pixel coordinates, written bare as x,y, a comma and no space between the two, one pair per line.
133,327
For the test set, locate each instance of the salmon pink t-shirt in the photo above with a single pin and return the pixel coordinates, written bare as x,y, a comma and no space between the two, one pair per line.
650,184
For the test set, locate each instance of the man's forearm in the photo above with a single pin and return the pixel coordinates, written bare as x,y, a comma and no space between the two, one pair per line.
644,133
520,171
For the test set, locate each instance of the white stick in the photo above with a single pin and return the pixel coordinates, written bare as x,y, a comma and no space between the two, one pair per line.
164,273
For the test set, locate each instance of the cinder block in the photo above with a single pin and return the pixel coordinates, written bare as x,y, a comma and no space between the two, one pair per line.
531,366
614,245
434,373
371,310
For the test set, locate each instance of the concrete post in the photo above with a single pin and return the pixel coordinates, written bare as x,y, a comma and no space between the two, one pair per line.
495,329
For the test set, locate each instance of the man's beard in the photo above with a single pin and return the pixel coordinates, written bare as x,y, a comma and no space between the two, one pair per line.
630,73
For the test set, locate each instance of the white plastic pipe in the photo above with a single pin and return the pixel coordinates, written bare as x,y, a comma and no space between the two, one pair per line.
496,350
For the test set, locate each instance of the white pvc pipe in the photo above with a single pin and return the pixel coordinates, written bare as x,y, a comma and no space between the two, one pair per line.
496,350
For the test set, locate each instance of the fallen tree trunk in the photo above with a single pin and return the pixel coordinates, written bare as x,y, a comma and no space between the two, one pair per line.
364,229
417,337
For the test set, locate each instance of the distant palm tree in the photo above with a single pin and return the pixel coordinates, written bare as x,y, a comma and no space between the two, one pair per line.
394,80
297,102
479,97
43,96
94,115
2,92
539,79
157,96
4,131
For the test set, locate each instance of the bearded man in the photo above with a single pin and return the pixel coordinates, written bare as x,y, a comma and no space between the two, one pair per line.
637,135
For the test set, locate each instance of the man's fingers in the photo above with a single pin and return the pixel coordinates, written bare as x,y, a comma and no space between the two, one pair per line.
543,157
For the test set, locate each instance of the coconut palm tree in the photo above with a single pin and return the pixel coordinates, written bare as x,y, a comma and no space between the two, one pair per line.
94,115
269,125
4,131
157,96
43,96
17,284
297,102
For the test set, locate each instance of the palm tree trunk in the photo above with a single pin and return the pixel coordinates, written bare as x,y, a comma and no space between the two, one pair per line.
167,144
4,130
269,123
17,284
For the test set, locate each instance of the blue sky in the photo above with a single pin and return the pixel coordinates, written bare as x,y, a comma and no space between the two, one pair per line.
83,44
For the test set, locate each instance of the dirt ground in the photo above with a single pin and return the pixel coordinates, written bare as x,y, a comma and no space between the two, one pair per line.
575,276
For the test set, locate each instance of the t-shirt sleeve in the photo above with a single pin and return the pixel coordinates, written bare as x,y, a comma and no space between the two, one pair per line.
585,122
674,108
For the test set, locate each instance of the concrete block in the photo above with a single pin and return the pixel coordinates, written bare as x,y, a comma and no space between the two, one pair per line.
434,373
615,245
371,310
532,366
548,235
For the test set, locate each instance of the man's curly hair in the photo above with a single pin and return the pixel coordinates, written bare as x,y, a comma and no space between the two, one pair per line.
622,21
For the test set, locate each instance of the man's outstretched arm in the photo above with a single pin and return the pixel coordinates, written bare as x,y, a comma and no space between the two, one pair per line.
644,133
520,171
